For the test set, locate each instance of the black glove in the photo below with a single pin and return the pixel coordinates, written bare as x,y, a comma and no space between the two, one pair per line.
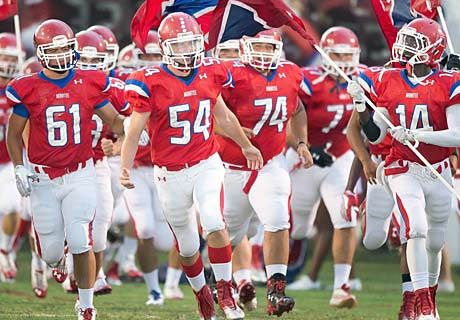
320,157
453,62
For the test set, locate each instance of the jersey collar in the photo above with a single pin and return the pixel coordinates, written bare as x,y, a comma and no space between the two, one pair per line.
185,81
414,85
61,83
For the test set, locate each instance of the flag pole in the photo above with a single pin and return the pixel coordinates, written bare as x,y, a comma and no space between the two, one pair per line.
444,26
17,30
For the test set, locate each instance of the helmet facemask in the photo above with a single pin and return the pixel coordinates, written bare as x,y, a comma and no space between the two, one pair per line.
413,47
91,59
112,55
185,52
259,58
9,67
58,61
151,58
348,66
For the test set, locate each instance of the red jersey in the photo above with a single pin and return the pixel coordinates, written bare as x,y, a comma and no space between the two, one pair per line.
121,74
263,104
180,125
329,107
366,79
5,111
99,128
59,112
417,106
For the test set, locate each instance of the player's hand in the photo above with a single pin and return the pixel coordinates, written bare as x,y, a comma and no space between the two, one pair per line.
320,157
254,157
23,175
305,155
349,205
108,147
125,179
357,93
403,135
370,169
453,62
248,132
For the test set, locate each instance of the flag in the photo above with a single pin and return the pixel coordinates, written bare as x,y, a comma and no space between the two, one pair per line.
8,8
151,12
393,14
233,19
220,20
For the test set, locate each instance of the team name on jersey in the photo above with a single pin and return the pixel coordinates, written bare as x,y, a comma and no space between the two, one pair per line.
190,93
271,88
412,95
64,95
344,96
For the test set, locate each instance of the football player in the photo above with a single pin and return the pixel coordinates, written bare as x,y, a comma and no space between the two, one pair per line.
59,103
180,100
424,104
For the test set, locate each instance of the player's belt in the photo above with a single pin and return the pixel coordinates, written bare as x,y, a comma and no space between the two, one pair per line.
178,167
54,173
404,166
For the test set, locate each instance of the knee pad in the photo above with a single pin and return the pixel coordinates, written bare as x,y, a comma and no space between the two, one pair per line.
435,240
145,231
188,242
78,239
163,240
374,240
52,252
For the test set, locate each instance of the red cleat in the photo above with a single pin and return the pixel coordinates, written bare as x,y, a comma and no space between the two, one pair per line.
407,310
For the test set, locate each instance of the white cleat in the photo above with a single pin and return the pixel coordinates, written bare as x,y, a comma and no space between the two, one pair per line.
102,287
173,293
342,298
7,268
155,299
39,279
304,283
355,284
87,314
258,276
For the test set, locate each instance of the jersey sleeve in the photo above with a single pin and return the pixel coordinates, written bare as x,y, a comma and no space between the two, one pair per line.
117,97
454,93
102,89
306,88
15,101
137,92
223,75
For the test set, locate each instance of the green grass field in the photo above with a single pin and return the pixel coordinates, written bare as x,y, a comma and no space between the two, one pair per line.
380,298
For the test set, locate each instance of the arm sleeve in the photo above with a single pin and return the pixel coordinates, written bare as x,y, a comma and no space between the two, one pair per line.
376,128
444,138
137,93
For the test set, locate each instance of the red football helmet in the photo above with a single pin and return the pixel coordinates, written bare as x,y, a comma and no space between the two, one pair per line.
259,57
92,50
422,41
342,46
152,57
229,47
32,65
110,43
181,41
125,58
9,55
55,35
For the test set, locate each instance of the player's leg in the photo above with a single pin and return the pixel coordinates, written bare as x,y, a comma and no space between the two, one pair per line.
139,202
175,191
344,239
237,214
445,283
173,274
269,197
78,209
257,267
208,190
101,223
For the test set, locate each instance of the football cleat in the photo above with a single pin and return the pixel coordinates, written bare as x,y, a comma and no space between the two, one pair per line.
173,293
7,268
129,268
60,272
407,310
247,299
433,291
70,285
39,280
304,283
277,301
226,302
205,303
424,305
102,287
155,299
355,284
342,298
113,277
87,314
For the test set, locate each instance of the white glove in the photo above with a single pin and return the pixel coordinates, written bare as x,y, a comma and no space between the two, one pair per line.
403,135
23,176
143,140
357,93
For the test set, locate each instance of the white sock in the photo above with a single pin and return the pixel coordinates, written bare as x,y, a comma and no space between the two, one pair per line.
197,282
271,269
222,271
172,279
434,267
151,280
129,246
86,298
101,274
341,274
417,261
6,242
240,275
69,262
407,287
